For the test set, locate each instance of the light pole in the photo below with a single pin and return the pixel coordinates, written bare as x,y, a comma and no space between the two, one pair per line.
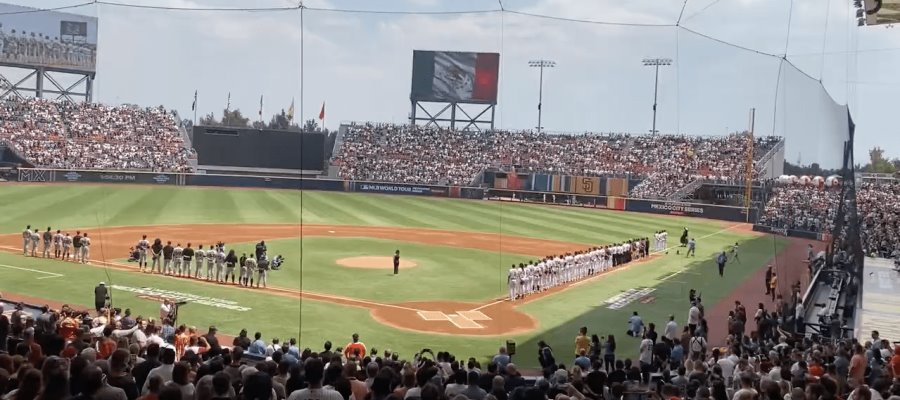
655,63
541,64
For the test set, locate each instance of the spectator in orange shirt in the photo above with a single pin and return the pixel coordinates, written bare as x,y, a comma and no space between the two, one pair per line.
107,345
182,339
895,362
355,347
815,368
857,367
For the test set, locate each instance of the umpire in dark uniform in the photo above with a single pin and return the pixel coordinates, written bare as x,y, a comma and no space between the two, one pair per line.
396,262
101,293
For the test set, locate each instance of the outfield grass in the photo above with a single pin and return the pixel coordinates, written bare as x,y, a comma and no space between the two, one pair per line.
443,273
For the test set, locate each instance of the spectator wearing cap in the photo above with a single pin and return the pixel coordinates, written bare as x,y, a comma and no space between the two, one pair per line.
213,342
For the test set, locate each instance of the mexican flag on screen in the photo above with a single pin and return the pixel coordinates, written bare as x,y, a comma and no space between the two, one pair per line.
455,76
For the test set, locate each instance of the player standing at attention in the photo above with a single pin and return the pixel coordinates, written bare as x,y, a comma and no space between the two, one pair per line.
249,266
262,271
177,257
210,262
720,261
156,254
85,249
511,282
396,262
66,245
76,245
220,264
26,240
188,255
167,251
200,253
142,247
35,239
57,244
230,262
242,263
48,239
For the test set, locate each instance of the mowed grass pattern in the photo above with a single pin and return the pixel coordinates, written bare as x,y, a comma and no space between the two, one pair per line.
444,273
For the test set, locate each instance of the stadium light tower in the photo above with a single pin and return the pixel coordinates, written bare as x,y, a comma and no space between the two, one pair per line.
541,64
655,63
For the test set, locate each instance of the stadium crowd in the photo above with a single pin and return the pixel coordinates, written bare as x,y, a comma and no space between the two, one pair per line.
802,207
878,203
112,354
431,155
57,134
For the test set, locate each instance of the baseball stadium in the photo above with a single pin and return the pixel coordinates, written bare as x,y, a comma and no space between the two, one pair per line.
387,221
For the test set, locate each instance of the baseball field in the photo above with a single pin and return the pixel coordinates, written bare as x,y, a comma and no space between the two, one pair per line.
337,278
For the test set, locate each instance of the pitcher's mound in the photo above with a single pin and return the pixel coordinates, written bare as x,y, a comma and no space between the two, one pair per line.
385,263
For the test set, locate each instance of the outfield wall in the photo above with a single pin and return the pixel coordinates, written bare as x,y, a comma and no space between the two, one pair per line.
727,213
797,233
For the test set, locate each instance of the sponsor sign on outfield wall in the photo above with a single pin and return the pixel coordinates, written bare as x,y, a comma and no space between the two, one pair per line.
788,232
737,214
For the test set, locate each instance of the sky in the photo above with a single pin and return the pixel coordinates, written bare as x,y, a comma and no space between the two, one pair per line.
795,62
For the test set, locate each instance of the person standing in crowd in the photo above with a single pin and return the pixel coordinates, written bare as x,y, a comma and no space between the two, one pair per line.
582,341
768,280
635,325
773,285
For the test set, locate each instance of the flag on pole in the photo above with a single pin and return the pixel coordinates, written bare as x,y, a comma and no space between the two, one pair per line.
290,113
322,113
228,104
194,104
260,107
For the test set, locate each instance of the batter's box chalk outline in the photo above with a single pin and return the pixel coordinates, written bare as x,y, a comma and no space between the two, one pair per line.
474,315
463,322
432,315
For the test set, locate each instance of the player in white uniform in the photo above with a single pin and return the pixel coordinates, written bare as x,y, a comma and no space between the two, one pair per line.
200,254
57,244
142,247
66,246
26,240
512,281
85,249
35,239
210,262
177,259
665,240
250,266
220,265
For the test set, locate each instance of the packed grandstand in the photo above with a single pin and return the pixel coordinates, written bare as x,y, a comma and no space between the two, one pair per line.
57,354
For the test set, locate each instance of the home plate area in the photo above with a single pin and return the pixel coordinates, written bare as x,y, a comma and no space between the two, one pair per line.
461,319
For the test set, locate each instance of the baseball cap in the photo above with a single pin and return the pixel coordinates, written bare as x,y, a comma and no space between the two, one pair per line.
212,328
102,283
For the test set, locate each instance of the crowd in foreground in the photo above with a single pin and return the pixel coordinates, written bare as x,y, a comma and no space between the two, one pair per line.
427,155
112,354
66,135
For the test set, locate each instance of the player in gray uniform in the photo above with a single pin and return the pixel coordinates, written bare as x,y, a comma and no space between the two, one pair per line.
200,254
57,244
48,239
142,247
248,268
35,239
85,249
26,240
220,264
210,262
177,254
66,245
